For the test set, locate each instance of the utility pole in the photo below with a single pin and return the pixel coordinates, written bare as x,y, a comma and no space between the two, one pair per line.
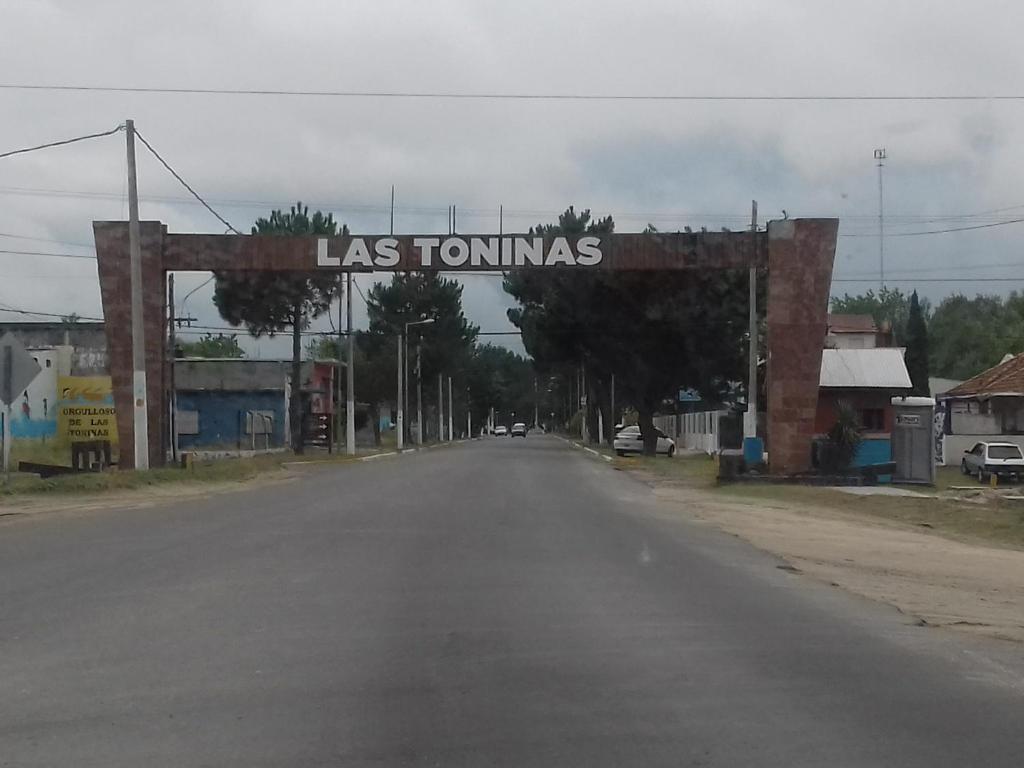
341,339
7,393
451,415
469,416
350,377
419,392
440,407
391,230
172,401
880,157
750,422
535,396
140,433
615,419
401,395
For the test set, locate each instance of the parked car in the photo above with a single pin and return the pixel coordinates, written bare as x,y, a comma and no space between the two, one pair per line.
629,440
999,459
501,430
518,429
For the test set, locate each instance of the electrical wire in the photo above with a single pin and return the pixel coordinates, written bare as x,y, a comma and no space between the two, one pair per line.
185,184
46,253
937,231
45,240
499,96
62,142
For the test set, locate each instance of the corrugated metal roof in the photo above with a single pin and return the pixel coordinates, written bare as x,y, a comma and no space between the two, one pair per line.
1007,379
878,368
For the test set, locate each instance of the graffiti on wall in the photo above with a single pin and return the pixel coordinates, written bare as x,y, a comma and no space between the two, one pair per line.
85,410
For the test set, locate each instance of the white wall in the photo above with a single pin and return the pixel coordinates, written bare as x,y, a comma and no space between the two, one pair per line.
697,431
955,445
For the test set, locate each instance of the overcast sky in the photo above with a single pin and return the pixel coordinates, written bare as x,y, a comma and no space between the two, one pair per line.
668,163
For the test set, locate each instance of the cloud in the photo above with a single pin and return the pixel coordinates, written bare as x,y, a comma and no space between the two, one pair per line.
629,159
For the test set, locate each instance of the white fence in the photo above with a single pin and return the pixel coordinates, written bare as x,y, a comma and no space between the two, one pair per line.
693,431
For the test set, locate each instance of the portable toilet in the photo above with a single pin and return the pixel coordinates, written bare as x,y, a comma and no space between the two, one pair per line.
913,439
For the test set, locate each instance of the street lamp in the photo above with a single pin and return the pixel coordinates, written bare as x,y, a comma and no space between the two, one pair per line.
403,384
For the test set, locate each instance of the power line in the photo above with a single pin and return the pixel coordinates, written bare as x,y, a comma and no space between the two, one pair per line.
185,184
47,314
61,143
941,231
46,240
499,96
46,253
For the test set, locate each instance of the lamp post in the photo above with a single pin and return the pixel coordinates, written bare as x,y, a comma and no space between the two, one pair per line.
403,373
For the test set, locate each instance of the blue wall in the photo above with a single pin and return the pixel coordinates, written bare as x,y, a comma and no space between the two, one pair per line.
874,451
222,418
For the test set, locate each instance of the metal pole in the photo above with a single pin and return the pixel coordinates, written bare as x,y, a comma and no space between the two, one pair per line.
615,419
469,417
535,395
172,401
405,373
880,157
140,433
419,392
7,395
440,408
350,377
401,395
337,383
750,422
391,229
451,425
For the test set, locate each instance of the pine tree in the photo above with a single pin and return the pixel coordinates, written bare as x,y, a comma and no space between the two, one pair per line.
917,348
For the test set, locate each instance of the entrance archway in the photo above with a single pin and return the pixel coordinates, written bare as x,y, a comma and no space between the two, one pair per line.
798,254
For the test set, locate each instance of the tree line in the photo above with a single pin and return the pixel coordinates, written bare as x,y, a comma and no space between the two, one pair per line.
963,335
591,335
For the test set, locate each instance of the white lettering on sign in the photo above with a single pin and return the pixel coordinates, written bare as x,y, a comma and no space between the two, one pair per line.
454,252
322,259
426,246
457,252
484,251
387,252
357,255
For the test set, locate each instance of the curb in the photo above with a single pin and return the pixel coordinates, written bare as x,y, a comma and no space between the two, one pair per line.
580,446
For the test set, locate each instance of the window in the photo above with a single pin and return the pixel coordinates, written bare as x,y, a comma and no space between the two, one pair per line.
873,419
1004,452
49,362
187,422
259,423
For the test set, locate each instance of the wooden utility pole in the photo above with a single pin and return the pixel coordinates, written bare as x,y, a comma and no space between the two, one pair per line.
140,433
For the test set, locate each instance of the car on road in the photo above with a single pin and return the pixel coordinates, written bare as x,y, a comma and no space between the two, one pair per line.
999,459
500,431
629,440
518,429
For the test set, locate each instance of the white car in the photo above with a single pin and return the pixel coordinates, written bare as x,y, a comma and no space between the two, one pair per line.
519,428
500,431
1000,459
629,440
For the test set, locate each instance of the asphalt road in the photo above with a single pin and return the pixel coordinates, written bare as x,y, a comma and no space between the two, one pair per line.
495,603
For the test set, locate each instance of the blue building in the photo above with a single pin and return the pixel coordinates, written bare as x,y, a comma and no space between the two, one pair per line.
238,404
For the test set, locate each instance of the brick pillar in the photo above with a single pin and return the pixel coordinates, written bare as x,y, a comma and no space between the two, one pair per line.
115,289
800,256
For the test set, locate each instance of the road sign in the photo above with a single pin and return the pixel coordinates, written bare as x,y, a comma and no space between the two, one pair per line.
689,396
17,368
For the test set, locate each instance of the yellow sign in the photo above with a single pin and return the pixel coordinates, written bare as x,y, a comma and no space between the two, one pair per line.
85,410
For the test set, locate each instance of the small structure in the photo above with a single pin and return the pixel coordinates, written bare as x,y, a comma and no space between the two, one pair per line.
241,404
988,407
867,380
851,332
913,440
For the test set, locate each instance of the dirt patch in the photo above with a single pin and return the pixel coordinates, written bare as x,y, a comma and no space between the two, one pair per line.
963,585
